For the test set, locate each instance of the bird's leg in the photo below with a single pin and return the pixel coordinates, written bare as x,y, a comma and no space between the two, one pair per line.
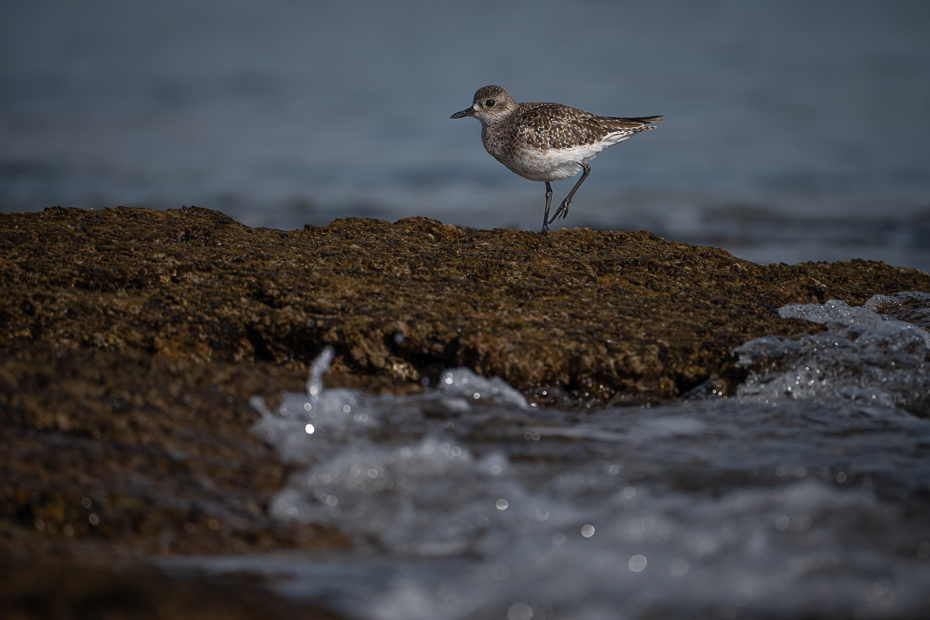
545,227
562,211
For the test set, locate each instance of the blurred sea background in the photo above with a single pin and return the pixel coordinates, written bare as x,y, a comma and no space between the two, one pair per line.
793,131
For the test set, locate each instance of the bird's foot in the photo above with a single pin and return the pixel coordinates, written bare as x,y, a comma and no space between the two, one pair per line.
560,213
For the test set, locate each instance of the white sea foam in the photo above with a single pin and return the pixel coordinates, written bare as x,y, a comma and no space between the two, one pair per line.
465,383
864,358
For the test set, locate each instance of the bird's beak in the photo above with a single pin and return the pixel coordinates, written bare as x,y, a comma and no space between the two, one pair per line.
464,113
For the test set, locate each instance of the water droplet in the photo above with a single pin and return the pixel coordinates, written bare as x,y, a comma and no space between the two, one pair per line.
923,550
501,504
637,563
520,611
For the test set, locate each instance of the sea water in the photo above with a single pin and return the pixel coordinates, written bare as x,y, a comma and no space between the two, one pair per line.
806,495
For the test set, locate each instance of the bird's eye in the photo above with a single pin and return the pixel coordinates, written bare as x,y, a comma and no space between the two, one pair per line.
489,103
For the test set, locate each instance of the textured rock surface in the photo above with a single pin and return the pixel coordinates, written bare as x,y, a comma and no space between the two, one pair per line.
611,315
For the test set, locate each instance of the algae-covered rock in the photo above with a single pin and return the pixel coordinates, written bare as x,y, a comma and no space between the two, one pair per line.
603,315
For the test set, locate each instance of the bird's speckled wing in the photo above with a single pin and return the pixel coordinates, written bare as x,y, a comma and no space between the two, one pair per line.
552,126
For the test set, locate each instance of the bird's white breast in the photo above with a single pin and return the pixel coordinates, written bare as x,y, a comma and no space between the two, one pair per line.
552,164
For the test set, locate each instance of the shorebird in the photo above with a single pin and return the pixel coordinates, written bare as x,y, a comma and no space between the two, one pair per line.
547,141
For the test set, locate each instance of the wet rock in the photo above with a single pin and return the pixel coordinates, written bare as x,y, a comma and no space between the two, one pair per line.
134,454
38,591
602,315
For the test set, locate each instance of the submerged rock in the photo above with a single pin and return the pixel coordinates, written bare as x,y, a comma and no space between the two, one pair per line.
56,590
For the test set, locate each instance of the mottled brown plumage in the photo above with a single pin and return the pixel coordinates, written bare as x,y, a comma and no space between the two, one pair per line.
546,141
